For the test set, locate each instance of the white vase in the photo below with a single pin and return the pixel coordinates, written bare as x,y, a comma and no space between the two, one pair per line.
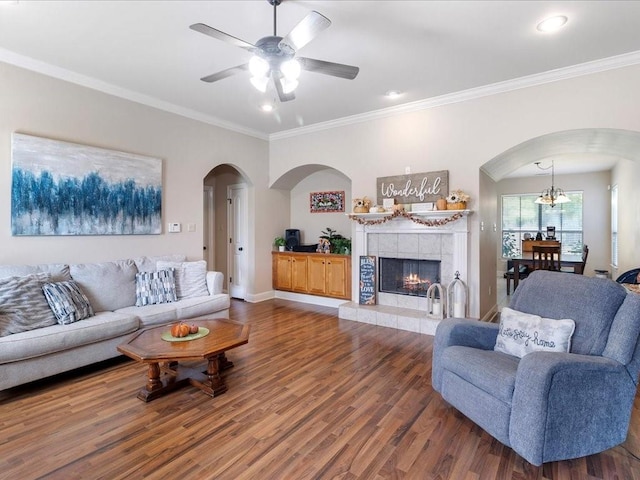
281,248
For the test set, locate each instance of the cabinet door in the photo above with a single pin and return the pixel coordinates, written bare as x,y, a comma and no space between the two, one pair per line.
283,272
336,273
316,275
299,274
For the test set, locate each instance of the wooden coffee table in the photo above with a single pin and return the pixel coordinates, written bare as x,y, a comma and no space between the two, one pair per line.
147,346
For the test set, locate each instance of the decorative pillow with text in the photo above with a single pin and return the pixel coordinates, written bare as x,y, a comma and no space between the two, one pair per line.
522,333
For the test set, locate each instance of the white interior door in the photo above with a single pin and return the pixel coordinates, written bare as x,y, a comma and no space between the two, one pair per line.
237,227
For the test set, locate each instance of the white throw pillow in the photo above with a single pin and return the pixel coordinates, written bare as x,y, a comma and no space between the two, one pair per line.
522,333
190,277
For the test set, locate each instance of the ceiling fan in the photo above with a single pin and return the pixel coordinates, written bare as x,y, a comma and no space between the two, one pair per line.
275,57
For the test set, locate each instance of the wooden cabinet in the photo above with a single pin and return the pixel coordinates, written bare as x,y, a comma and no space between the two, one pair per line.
527,245
322,274
282,272
299,274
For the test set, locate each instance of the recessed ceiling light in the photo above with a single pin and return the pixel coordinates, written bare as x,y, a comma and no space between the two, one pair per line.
393,93
266,107
552,24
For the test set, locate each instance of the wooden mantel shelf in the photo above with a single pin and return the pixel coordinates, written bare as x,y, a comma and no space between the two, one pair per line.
429,214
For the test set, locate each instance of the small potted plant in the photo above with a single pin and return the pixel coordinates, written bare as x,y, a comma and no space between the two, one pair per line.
280,243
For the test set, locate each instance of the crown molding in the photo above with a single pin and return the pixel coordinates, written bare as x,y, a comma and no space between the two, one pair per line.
587,68
44,68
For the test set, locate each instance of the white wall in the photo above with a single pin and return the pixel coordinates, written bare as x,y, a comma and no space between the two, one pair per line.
626,175
457,137
463,136
311,225
596,210
39,105
489,236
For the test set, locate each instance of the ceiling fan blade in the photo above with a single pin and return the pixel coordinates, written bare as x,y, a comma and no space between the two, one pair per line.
214,77
304,32
225,37
284,97
329,68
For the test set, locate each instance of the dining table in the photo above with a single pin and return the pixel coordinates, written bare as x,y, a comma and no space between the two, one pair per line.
574,261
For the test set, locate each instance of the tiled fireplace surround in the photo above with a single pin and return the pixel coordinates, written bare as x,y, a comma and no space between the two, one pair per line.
403,238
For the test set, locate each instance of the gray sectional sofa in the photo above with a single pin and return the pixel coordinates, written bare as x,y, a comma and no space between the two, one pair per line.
110,288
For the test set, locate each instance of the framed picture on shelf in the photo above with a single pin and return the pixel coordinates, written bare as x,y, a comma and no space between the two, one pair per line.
326,202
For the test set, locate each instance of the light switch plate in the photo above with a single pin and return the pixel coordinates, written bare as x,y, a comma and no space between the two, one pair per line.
174,228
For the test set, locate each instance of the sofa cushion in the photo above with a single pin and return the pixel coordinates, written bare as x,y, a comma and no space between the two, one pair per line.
591,302
108,285
492,372
155,287
151,315
196,307
190,277
23,306
148,264
56,338
59,271
67,302
523,333
623,336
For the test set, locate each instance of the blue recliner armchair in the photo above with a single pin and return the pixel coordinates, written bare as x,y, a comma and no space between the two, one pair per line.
548,406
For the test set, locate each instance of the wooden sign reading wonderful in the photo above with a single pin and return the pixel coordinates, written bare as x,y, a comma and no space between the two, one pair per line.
414,188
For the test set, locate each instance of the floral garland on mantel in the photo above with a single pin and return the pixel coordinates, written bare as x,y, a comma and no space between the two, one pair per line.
401,213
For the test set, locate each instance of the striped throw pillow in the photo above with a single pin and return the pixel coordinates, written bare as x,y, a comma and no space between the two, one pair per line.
67,302
155,287
23,306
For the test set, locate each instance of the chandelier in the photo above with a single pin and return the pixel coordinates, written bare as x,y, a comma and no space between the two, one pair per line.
551,196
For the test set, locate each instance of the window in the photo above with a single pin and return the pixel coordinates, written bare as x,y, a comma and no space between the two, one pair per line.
614,226
520,215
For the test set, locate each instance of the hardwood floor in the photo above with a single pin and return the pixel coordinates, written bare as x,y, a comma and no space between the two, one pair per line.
310,397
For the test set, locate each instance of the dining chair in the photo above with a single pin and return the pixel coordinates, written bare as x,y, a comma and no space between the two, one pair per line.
546,257
578,269
523,272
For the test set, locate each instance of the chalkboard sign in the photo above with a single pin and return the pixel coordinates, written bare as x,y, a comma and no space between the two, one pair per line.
367,280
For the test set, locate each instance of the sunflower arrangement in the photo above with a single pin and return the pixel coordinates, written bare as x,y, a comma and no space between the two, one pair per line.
457,200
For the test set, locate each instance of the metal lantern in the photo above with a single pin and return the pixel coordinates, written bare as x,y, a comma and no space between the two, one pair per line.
457,300
436,301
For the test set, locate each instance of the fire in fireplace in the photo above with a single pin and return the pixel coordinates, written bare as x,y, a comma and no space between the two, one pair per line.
407,276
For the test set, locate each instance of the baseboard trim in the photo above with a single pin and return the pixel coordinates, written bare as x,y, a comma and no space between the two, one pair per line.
312,299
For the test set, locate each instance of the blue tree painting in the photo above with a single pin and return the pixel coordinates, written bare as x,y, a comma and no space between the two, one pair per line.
61,188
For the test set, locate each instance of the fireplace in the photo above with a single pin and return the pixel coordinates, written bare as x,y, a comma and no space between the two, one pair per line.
400,238
407,276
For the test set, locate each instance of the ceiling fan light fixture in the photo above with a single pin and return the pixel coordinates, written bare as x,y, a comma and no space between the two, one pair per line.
288,86
260,83
258,66
291,69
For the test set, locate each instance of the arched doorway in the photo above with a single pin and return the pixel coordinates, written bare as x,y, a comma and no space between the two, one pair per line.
613,152
225,236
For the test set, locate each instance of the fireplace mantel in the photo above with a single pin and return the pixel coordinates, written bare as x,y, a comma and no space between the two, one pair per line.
408,233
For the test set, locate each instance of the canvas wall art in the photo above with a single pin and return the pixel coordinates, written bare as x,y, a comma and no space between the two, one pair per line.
325,202
61,188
